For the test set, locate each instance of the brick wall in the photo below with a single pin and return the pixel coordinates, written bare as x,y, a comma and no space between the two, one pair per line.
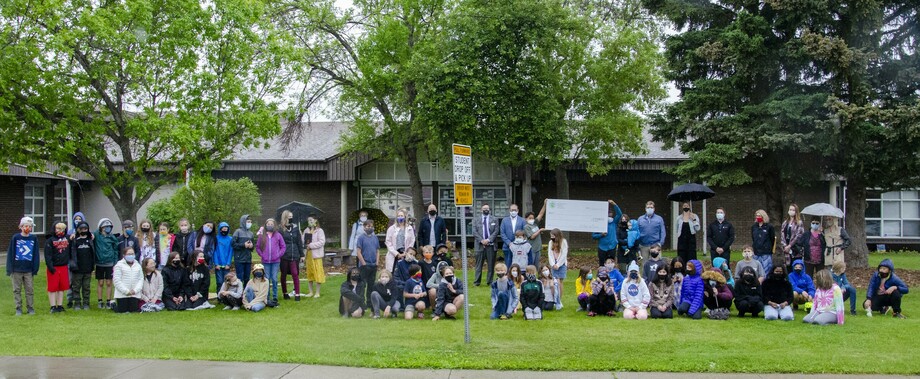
12,191
324,195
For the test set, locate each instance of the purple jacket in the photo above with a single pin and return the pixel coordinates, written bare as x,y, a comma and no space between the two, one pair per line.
692,288
270,249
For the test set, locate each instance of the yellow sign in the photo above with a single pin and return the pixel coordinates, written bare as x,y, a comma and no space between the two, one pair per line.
463,195
463,176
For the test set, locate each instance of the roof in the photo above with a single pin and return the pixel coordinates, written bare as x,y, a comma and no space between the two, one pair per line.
15,169
656,151
319,141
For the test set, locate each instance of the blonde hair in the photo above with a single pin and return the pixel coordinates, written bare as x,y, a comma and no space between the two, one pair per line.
839,267
823,279
286,217
763,213
501,266
427,249
798,216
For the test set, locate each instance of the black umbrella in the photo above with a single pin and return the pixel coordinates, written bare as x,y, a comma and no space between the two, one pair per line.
300,211
690,192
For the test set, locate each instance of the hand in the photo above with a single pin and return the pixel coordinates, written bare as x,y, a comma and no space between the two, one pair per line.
706,294
555,267
248,244
891,290
450,287
839,251
386,312
435,318
484,242
302,260
194,298
719,250
177,300
603,234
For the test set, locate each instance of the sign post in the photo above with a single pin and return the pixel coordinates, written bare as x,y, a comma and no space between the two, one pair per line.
463,197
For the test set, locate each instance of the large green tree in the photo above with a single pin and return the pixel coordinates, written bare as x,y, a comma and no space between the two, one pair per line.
134,93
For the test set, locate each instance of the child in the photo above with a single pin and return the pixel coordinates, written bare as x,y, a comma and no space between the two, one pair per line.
614,274
183,239
777,292
351,301
163,242
414,294
175,283
803,287
627,234
434,281
504,295
401,271
748,253
428,265
128,279
634,295
677,278
83,261
199,282
223,254
717,293
885,290
532,295
270,246
441,255
603,299
242,249
385,296
722,264
231,292
106,246
749,298
147,247
516,276
828,301
583,288
840,277
152,289
558,261
22,264
552,297
450,296
662,294
654,261
57,258
255,296
691,293
520,249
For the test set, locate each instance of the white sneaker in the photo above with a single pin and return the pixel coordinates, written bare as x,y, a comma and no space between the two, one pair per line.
868,312
228,308
235,308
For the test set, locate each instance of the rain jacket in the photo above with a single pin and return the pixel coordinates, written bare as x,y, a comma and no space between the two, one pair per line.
692,288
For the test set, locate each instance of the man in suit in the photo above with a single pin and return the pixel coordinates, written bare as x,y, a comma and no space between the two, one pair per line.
433,230
485,234
510,225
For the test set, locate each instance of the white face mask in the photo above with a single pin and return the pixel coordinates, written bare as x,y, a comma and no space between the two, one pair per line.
514,274
513,213
545,272
720,216
519,240
363,219
530,222
384,281
791,213
649,211
248,225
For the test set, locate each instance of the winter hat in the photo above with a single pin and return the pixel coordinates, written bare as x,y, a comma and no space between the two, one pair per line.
633,267
104,222
26,221
257,267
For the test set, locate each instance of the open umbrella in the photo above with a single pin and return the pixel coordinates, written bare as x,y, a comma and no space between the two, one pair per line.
299,211
823,209
691,192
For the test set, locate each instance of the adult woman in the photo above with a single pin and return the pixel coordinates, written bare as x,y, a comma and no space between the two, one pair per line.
127,277
199,282
450,295
764,238
558,257
315,239
175,282
293,254
836,240
789,234
400,236
151,296
686,225
813,246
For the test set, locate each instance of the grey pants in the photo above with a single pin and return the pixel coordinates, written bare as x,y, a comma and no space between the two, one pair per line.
23,279
821,318
379,304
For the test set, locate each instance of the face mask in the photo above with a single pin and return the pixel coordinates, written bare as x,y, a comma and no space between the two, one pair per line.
59,234
634,275
432,213
362,219
778,274
183,229
312,223
791,213
355,278
883,274
145,230
129,258
248,225
224,232
486,212
449,278
175,262
84,232
603,278
129,232
427,255
269,228
798,270
384,281
686,210
712,283
513,213
107,230
815,226
519,240
609,220
654,254
678,269
749,278
258,274
206,230
369,231
164,232
400,220
500,274
514,274
530,222
552,238
590,276
545,272
201,261
660,275
417,276
649,211
720,216
689,272
609,267
748,255
759,219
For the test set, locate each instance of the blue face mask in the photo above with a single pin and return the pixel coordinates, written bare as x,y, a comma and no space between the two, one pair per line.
590,276
107,230
206,230
129,232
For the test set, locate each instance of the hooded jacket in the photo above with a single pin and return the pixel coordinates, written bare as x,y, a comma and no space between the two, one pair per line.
390,293
801,282
83,252
175,281
692,288
106,245
510,291
271,248
608,287
750,292
632,236
293,244
208,240
259,289
401,273
893,280
662,293
152,290
635,293
127,277
199,280
445,296
353,292
72,229
777,289
223,251
725,296
722,264
57,252
435,280
531,292
609,241
242,235
235,289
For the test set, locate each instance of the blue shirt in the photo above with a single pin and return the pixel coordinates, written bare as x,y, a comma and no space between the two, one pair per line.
651,230
369,244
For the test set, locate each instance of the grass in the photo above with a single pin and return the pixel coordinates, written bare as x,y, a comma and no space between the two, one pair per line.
311,332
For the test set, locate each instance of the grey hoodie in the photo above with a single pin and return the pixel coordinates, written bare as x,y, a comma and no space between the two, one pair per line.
240,253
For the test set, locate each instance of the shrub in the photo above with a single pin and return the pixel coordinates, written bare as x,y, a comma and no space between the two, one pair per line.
381,221
207,199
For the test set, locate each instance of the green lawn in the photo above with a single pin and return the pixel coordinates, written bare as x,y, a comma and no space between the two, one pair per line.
311,332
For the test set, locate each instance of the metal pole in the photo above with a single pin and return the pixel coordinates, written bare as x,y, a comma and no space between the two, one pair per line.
466,281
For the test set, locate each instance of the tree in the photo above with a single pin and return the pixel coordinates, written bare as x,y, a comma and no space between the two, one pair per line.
528,83
135,93
208,200
364,59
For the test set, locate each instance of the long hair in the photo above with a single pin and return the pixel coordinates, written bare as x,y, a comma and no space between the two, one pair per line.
264,236
797,219
583,274
172,256
201,232
557,245
520,278
286,217
148,236
823,279
657,279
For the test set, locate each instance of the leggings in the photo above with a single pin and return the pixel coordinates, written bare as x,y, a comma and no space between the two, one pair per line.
292,268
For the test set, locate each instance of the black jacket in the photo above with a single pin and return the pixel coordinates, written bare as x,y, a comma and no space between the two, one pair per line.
57,252
180,245
199,281
293,250
720,234
355,293
83,254
175,281
777,290
389,292
748,292
125,242
763,237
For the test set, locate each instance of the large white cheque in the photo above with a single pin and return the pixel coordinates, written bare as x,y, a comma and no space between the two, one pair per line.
577,215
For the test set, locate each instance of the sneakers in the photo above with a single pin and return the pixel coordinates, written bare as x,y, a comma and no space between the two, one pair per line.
31,311
309,294
100,305
18,311
592,314
899,315
287,297
297,298
528,314
852,312
868,312
376,317
503,317
316,296
227,308
235,309
885,310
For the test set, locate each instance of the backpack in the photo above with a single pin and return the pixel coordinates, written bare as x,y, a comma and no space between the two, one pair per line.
719,314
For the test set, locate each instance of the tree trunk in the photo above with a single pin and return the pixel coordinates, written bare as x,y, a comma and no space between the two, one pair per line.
527,191
562,182
773,191
125,207
415,182
857,255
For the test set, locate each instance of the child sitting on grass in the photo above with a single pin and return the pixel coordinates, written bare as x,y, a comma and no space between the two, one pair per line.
504,295
583,288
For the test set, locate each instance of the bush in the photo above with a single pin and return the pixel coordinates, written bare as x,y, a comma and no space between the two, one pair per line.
207,199
381,221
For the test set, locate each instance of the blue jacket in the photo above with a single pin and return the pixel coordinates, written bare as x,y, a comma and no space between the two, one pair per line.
692,289
875,282
633,233
801,282
73,224
512,297
223,251
651,230
424,232
617,279
609,242
507,233
22,255
841,280
729,277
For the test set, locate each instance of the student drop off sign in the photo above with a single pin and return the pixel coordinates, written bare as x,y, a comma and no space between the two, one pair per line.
463,176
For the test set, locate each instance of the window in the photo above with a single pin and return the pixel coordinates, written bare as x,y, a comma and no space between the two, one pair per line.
497,198
35,206
391,199
60,204
893,214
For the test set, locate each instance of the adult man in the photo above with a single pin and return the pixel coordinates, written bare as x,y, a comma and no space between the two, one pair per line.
485,234
433,229
510,226
720,236
885,291
357,230
651,229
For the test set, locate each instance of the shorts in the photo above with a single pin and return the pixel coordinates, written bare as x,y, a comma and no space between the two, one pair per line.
104,273
410,306
60,280
560,273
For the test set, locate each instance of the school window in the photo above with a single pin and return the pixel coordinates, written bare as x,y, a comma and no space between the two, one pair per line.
60,204
35,206
893,214
497,198
391,199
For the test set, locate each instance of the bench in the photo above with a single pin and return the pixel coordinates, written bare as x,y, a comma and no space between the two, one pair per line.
337,257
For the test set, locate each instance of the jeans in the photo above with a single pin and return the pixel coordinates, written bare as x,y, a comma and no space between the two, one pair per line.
850,292
219,274
243,271
784,313
23,280
766,261
534,258
684,309
250,294
486,256
657,313
271,272
501,306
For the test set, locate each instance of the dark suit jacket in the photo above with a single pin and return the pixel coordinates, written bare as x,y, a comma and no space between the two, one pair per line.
424,232
478,229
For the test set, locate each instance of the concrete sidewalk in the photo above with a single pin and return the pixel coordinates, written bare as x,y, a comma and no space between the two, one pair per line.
48,367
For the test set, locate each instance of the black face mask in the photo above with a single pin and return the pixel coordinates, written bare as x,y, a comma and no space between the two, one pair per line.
883,274
603,278
175,263
654,254
432,213
634,275
749,278
690,272
258,275
686,209
224,232
500,275
355,277
486,212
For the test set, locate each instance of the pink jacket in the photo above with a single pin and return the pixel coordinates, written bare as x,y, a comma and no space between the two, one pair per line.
316,246
270,249
391,243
